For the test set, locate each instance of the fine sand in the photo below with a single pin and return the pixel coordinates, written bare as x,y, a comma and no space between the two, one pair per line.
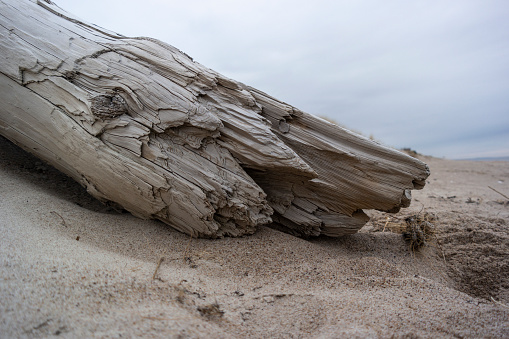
71,267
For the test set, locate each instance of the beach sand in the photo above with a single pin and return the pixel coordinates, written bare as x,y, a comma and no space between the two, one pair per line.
72,267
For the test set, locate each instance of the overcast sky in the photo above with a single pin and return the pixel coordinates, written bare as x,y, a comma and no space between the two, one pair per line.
429,75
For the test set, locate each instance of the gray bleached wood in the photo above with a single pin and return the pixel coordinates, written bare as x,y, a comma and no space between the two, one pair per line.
140,124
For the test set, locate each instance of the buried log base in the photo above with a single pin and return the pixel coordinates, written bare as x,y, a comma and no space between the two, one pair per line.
332,225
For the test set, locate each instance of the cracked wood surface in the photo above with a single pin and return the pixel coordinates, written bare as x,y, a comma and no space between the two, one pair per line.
141,125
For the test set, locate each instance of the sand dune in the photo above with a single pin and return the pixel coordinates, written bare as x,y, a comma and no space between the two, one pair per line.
72,267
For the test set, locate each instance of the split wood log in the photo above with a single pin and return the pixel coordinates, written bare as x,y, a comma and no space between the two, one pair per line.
140,124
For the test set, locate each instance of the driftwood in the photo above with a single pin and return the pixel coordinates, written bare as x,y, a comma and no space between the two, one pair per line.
140,124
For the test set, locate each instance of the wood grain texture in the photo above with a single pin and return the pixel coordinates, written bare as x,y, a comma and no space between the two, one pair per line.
141,125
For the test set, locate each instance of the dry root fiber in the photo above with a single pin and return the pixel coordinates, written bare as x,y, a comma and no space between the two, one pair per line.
419,230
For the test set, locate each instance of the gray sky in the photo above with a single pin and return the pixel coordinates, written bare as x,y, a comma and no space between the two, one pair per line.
430,75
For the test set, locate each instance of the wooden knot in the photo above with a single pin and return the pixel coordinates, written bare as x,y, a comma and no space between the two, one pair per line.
108,106
284,127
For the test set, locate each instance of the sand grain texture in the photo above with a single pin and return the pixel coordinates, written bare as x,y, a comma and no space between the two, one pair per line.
269,285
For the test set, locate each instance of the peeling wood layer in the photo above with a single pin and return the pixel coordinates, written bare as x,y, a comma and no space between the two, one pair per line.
139,123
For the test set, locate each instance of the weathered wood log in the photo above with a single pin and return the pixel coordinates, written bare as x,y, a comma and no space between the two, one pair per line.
140,124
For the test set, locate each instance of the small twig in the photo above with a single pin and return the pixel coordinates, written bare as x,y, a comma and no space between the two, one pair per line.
42,324
386,224
499,303
502,194
157,267
63,220
187,247
155,318
161,318
158,318
422,208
